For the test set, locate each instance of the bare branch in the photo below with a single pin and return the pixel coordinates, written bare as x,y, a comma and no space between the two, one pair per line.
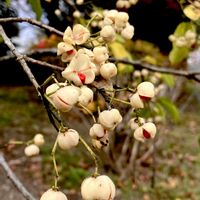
138,64
43,63
27,195
33,22
20,59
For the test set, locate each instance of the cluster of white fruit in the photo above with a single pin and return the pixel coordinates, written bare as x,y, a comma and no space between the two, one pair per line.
33,148
125,3
98,188
187,40
99,132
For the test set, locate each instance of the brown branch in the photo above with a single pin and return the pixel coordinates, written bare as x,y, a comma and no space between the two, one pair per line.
18,184
43,63
33,22
138,64
20,59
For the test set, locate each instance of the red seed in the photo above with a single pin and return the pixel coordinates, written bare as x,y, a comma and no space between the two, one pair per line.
70,52
144,98
82,77
146,134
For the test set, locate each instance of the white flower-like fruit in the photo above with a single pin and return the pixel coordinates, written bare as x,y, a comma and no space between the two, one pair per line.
51,89
78,35
136,101
146,131
146,90
108,33
110,17
80,70
53,195
128,32
65,98
100,54
79,2
31,150
86,95
109,119
108,70
68,139
97,131
98,188
134,124
121,19
38,139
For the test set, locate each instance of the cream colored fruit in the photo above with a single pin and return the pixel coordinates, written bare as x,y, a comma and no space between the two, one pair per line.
53,195
65,98
99,188
31,150
38,139
150,128
109,119
108,33
86,96
68,139
138,134
51,89
108,70
146,89
136,102
100,54
97,131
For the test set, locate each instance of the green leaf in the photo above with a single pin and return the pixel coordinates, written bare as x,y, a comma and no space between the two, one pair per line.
171,110
178,54
8,2
36,6
168,79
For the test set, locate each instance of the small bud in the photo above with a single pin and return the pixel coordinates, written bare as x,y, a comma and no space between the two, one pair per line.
39,139
146,90
68,139
108,70
145,72
76,14
31,150
121,19
100,187
53,195
136,102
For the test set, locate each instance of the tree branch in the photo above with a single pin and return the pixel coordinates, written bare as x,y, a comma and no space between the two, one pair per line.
33,22
14,179
138,64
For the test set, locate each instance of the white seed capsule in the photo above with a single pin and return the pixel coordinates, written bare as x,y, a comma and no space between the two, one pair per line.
108,33
149,130
38,139
53,195
121,19
31,150
109,119
128,32
86,96
51,89
144,132
97,131
99,188
133,123
100,54
136,102
68,139
65,98
108,70
146,90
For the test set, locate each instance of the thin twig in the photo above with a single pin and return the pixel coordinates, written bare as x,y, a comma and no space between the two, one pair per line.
27,195
33,22
138,64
